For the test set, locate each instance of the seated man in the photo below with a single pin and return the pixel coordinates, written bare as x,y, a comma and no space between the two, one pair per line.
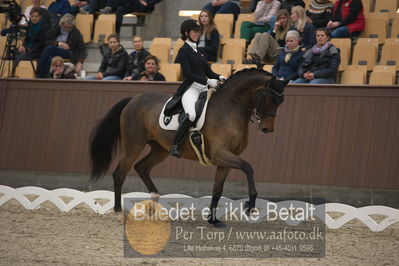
64,40
34,41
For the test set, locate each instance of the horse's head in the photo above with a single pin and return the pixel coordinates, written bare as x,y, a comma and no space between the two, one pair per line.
267,100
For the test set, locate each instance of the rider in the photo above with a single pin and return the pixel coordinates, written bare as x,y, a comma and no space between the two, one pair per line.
197,76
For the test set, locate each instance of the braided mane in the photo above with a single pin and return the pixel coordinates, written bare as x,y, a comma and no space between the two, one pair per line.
243,73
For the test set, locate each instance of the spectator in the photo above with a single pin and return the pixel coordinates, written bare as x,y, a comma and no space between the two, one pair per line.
63,40
210,39
347,19
136,58
290,58
319,13
305,29
320,65
265,46
151,70
59,7
35,3
122,7
289,4
223,7
265,13
61,71
115,60
81,7
34,41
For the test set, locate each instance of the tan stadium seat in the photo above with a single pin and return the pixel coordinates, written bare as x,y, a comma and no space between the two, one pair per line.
176,69
241,18
240,42
103,27
84,22
179,43
222,69
365,54
395,27
228,17
25,69
268,68
386,69
6,70
353,77
363,69
238,67
344,46
167,41
376,28
161,51
381,78
386,6
225,28
232,54
366,7
390,54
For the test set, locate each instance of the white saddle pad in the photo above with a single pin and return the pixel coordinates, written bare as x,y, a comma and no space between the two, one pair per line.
172,122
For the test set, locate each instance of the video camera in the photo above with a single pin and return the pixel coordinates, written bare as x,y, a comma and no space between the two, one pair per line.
13,10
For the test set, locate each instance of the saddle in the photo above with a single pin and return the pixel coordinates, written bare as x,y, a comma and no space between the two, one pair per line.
172,122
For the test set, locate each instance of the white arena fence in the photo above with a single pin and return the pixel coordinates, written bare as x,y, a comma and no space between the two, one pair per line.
91,199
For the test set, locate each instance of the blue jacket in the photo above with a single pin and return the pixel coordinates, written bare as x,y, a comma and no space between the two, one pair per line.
287,70
60,7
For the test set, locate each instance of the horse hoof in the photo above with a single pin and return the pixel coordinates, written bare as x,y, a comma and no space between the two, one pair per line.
248,208
216,222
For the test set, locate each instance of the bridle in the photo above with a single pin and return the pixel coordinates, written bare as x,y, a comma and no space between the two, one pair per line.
261,97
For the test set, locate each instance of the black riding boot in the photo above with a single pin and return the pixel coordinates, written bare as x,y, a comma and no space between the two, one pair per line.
180,136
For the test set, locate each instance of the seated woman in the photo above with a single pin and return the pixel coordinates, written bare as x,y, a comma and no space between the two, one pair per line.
61,71
33,44
320,65
210,39
136,58
266,46
115,60
305,29
347,19
63,40
319,12
151,70
290,58
265,13
223,7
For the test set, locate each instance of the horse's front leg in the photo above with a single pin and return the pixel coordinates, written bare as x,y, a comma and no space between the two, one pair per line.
220,177
227,159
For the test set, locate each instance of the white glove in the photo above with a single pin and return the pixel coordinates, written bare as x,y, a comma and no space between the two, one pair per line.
213,83
222,78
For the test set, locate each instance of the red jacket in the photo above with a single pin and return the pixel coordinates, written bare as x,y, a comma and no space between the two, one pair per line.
357,24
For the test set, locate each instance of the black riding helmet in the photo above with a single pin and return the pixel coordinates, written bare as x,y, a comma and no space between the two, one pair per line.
187,25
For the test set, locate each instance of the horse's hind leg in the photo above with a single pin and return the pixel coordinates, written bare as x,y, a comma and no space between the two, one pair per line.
119,175
144,166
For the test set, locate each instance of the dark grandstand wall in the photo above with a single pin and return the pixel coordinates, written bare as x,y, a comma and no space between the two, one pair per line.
325,135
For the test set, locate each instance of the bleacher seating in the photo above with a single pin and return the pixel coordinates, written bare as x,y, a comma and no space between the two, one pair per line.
344,44
179,43
225,29
390,54
160,50
167,41
170,71
84,22
241,18
381,78
238,67
353,77
25,69
222,69
365,53
232,54
386,6
105,25
376,28
268,68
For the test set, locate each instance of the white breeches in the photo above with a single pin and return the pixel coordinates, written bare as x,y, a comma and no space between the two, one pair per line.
190,97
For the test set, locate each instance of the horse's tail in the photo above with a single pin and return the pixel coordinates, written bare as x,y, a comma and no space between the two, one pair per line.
104,140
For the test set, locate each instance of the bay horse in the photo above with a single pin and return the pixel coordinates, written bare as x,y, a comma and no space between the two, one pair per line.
133,122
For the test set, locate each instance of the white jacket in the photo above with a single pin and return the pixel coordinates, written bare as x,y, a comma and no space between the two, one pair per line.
264,12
